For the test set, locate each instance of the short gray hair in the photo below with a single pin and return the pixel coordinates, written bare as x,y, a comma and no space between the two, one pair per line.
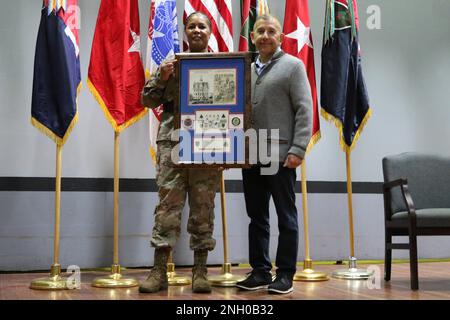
267,18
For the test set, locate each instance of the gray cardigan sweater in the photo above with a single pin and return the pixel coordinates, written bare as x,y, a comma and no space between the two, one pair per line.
281,99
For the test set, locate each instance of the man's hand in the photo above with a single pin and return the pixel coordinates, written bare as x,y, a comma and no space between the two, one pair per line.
292,161
167,69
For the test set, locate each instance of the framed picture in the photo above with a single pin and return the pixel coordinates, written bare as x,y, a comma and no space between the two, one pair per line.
212,109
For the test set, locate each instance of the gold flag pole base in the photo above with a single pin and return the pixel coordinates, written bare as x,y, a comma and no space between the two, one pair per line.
53,282
352,273
115,280
226,279
308,274
174,279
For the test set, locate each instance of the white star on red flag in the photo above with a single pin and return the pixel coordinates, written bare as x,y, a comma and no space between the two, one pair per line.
302,35
136,46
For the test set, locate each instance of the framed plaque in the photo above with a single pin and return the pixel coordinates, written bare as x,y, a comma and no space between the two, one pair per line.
212,109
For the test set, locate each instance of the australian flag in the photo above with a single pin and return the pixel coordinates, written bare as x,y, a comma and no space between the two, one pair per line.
344,99
57,78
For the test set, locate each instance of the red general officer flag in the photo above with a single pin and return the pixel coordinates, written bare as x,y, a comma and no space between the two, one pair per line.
298,42
116,75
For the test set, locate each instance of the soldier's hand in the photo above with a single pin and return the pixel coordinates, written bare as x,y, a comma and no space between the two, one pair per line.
292,161
167,69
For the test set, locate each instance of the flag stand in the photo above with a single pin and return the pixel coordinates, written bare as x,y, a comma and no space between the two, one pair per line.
55,281
352,273
172,277
226,279
308,274
115,279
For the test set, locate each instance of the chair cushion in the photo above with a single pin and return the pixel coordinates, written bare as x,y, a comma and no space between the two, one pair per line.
426,218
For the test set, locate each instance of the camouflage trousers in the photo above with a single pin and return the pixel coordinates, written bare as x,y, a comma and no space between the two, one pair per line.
173,185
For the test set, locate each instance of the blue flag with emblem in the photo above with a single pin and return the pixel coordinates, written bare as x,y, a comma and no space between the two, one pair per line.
163,42
163,38
57,78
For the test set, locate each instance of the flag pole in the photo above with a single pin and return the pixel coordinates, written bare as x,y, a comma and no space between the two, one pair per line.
226,279
352,273
308,273
172,277
55,281
115,279
350,203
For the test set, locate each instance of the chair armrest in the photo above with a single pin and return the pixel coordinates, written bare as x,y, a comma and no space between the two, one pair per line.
403,184
394,183
409,201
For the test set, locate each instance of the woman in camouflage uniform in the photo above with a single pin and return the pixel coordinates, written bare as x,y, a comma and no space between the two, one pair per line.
175,183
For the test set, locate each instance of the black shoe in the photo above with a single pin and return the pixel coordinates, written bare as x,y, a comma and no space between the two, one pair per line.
282,284
255,281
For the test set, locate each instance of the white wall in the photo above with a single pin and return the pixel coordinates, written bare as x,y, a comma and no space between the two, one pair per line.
406,66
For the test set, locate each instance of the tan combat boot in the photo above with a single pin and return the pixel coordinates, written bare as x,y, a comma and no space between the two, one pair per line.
157,279
200,283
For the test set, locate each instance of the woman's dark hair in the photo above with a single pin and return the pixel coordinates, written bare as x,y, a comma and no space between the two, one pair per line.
197,13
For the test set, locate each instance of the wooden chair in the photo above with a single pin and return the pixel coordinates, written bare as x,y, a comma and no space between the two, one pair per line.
416,193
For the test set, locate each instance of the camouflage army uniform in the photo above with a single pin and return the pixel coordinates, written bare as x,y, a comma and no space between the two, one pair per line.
175,183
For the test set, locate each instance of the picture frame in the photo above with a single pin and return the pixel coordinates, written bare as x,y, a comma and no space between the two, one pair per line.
212,109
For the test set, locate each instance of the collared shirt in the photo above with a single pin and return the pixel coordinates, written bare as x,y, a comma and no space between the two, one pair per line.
259,66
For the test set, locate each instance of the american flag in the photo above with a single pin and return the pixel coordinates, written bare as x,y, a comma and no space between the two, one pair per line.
220,14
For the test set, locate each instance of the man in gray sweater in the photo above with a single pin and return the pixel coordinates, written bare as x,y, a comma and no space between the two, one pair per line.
281,100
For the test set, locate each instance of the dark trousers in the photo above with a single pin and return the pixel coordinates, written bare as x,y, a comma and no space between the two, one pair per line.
257,192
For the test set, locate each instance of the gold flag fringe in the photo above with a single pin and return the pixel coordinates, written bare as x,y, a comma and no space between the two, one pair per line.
58,140
147,74
152,151
314,139
339,125
108,116
152,154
